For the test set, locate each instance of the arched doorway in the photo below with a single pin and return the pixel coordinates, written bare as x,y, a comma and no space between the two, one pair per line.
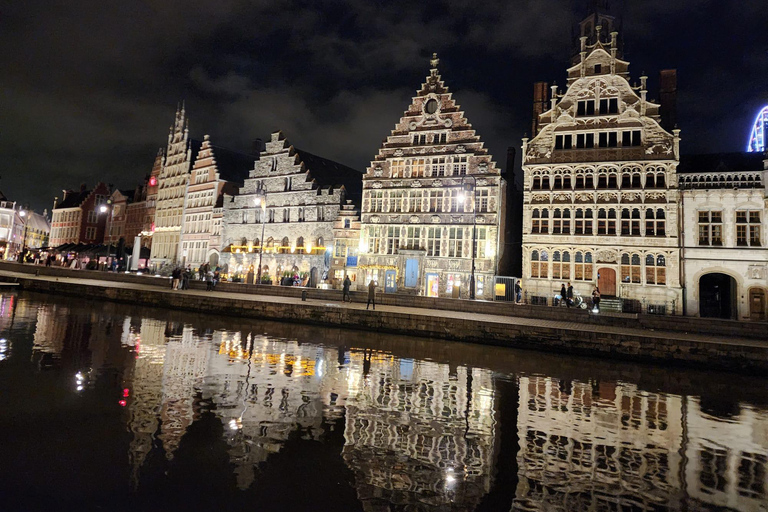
213,259
717,296
313,277
606,281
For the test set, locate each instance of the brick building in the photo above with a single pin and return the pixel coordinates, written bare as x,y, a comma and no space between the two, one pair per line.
78,218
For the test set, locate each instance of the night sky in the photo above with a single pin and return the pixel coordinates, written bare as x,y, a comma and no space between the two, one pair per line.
89,89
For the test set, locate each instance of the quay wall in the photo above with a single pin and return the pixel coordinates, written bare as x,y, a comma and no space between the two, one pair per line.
635,345
711,326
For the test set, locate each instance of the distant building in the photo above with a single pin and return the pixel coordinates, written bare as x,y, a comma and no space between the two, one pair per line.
11,228
117,215
433,203
725,221
78,217
37,230
304,194
600,189
216,171
172,186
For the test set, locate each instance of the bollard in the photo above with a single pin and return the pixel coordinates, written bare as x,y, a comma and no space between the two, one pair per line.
304,295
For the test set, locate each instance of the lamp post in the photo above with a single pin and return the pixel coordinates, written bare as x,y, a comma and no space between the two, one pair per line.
261,200
23,214
462,197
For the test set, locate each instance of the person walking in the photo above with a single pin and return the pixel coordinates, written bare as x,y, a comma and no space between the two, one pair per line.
596,299
569,296
371,294
345,297
518,292
562,295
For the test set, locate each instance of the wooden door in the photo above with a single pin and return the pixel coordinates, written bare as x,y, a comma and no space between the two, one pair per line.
756,304
606,281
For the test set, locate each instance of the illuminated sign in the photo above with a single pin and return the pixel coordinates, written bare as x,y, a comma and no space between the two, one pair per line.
152,181
757,142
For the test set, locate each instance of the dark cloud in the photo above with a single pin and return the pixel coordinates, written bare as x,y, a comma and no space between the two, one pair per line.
89,88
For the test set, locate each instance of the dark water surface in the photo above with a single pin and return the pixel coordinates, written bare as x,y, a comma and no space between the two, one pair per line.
114,407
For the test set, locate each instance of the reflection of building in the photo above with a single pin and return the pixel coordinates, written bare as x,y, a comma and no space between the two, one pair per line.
216,171
78,217
600,189
431,191
725,221
416,434
304,194
611,446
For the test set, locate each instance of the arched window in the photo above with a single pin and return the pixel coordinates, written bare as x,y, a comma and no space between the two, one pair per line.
558,184
270,244
300,245
589,181
661,180
557,223
561,265
655,271
539,264
536,183
535,221
626,180
637,180
630,268
545,182
257,245
612,181
567,181
583,266
285,245
544,221
650,179
579,181
566,221
602,181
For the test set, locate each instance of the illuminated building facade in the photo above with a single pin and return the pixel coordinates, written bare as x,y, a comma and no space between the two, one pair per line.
431,191
725,221
217,171
78,217
304,194
600,185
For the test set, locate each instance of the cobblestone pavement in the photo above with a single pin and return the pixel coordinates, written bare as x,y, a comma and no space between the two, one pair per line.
414,312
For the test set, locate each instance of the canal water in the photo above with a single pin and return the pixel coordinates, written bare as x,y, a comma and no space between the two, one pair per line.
115,407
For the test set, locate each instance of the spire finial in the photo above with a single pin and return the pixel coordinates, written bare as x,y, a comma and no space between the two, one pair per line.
434,61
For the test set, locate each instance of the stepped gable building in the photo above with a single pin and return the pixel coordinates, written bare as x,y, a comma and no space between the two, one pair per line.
431,182
600,188
152,188
128,214
78,218
216,171
171,190
725,220
303,194
346,243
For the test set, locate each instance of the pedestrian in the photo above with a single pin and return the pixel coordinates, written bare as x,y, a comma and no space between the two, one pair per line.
596,299
562,295
371,294
48,260
216,277
518,292
175,278
185,278
569,296
345,290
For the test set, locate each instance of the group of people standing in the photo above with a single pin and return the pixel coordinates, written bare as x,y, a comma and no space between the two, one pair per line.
180,277
567,296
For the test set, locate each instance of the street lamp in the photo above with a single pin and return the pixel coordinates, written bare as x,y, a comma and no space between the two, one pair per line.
463,195
23,214
261,200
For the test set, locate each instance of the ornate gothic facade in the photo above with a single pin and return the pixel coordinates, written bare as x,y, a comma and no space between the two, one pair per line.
430,184
600,190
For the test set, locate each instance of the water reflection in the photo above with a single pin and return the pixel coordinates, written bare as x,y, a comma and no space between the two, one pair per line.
411,424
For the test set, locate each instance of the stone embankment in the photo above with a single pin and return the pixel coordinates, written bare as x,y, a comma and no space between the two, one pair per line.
737,346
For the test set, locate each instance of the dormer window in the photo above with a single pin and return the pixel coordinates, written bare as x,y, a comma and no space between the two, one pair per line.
598,68
563,141
585,108
609,106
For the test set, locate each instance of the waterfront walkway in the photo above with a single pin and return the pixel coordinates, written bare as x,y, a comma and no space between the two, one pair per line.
562,335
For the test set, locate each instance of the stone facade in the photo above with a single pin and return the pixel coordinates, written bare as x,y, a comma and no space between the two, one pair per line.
11,228
172,185
304,194
152,189
600,185
725,222
207,183
430,186
346,244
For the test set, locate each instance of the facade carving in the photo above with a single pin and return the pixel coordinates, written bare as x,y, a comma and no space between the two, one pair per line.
430,186
600,185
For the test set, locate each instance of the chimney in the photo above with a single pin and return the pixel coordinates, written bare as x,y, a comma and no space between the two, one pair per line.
540,100
56,200
668,98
